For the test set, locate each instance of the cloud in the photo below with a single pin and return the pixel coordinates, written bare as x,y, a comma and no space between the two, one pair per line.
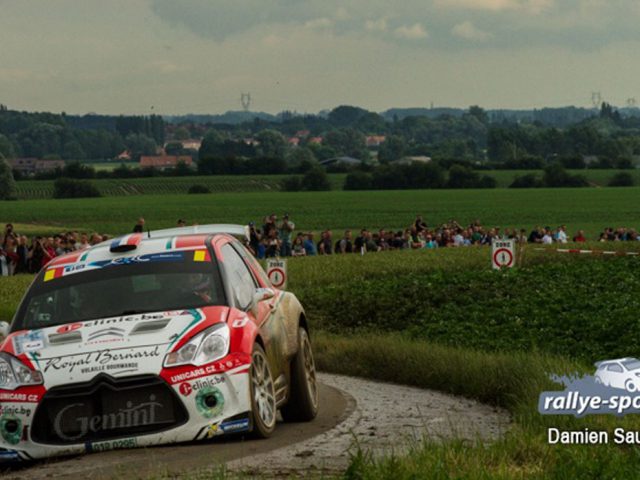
413,32
531,6
319,23
469,31
379,25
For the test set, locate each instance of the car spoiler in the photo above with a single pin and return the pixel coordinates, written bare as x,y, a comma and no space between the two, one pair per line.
238,231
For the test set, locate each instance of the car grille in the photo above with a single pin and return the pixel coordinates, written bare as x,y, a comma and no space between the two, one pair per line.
107,408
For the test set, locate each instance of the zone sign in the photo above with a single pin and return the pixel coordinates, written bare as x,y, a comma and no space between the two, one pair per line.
503,254
277,273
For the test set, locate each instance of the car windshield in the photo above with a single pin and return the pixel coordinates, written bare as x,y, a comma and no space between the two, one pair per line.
632,364
120,289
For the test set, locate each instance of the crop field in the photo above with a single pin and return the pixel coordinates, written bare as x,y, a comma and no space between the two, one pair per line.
43,189
587,209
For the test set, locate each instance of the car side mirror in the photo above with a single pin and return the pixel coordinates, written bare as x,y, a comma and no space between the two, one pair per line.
4,330
260,295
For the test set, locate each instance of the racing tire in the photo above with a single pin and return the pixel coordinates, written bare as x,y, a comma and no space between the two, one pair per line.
303,395
263,396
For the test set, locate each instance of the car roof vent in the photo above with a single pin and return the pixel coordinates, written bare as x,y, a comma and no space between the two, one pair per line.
67,337
126,243
151,326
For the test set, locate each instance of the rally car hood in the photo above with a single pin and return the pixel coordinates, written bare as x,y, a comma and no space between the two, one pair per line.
118,346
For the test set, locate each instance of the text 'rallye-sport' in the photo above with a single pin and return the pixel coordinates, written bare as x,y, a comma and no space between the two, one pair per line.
168,336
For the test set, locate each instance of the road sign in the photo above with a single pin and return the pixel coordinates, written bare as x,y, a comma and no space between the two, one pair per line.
277,272
503,254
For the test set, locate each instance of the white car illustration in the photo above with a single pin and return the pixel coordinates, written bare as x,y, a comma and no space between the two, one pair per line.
623,373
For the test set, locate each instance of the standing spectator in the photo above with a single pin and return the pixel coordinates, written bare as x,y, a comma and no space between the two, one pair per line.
181,223
309,245
562,234
458,238
344,245
284,232
254,238
23,255
419,224
84,242
359,245
547,239
269,224
298,246
8,256
325,245
139,226
272,244
580,238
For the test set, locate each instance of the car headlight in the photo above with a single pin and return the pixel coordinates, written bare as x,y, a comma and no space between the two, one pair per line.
206,347
14,373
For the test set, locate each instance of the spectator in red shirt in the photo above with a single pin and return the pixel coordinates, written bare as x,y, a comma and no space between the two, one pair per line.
580,238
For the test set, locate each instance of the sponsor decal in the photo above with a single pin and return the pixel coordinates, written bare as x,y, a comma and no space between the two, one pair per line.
106,335
240,425
210,402
112,445
128,318
70,327
15,410
8,455
240,322
18,397
11,429
105,358
134,415
153,257
212,430
28,342
186,388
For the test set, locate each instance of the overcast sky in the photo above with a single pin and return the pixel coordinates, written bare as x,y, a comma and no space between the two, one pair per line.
179,56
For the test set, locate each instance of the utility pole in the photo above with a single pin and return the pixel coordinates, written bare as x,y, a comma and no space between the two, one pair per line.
245,100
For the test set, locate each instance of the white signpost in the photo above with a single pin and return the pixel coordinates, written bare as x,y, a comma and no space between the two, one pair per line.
503,254
277,273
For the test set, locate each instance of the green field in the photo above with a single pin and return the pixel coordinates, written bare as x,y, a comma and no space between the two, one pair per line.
39,189
588,209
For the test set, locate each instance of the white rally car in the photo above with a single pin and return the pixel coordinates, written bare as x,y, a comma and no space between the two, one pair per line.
168,336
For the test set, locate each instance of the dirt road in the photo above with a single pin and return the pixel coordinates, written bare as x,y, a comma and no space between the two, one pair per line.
380,416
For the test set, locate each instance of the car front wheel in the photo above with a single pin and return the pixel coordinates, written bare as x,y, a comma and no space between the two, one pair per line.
263,397
303,398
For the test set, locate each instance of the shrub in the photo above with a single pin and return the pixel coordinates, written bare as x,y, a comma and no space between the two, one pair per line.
73,188
622,179
198,188
464,177
358,181
556,176
529,180
316,180
292,184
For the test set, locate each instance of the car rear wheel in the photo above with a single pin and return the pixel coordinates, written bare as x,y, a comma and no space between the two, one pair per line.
303,397
630,386
263,397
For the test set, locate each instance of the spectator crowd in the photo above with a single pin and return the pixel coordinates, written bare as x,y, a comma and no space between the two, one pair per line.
278,238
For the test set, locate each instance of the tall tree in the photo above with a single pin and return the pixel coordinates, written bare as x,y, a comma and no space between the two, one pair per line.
8,189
